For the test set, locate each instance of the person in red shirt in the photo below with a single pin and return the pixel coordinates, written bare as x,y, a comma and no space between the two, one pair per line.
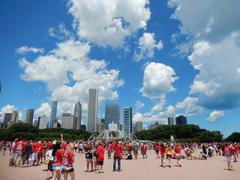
109,150
177,151
100,158
163,152
157,149
229,151
117,156
18,149
57,153
68,160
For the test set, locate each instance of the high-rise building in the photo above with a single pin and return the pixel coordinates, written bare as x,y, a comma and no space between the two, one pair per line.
181,120
43,122
7,119
29,116
78,115
14,118
170,121
92,110
112,114
138,126
53,116
67,121
127,120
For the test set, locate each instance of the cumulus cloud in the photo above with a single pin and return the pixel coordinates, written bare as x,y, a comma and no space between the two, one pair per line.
212,20
69,73
26,49
147,45
190,105
215,115
108,23
60,33
43,110
137,117
6,109
157,81
217,82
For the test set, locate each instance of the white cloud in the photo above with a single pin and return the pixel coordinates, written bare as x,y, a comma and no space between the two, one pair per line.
137,117
170,111
60,33
108,22
43,110
159,105
139,105
217,82
215,115
147,45
69,73
190,105
157,81
213,20
26,49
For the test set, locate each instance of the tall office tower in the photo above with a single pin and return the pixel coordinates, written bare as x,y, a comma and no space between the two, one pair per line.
29,116
78,115
53,116
127,120
43,122
92,110
14,118
138,126
112,114
7,119
181,120
170,121
67,121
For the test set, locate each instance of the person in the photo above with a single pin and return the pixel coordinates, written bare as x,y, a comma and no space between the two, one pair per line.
35,150
178,155
27,153
117,156
100,158
18,149
229,156
163,151
57,163
109,149
89,157
157,149
169,155
49,160
135,150
68,160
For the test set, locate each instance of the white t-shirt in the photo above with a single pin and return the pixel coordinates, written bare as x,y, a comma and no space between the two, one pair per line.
49,154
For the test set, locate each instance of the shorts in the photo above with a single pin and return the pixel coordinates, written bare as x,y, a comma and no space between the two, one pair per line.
178,156
34,156
169,156
100,163
229,158
56,167
67,170
89,160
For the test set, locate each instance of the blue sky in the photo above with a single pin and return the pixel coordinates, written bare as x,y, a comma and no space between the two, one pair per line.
163,58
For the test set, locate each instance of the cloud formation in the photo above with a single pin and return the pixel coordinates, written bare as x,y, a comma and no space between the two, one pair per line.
26,49
215,115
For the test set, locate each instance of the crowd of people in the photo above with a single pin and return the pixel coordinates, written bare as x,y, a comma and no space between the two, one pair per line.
59,155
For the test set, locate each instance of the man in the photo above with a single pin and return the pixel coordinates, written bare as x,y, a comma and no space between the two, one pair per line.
100,158
117,156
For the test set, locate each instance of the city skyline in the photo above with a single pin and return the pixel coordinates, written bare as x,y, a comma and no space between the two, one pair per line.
148,55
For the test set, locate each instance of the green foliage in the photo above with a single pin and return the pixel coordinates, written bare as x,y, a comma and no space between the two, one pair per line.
26,131
234,137
182,133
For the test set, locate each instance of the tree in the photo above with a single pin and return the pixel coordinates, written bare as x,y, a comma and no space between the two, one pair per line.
234,137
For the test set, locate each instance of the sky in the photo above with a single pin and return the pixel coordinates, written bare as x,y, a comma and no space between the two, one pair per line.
163,58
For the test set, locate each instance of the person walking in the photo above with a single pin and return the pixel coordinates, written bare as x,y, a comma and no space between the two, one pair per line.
117,157
100,158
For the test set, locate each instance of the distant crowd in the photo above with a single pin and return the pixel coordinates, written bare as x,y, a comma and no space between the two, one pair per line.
59,155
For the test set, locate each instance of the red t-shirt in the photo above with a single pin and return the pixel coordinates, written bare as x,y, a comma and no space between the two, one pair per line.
36,147
100,153
19,146
163,150
58,157
157,148
69,158
118,150
177,150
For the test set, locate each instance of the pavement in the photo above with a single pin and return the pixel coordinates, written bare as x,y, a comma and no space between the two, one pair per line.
141,169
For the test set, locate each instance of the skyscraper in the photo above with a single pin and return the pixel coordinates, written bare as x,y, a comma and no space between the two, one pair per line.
14,118
78,115
43,122
127,120
67,121
7,119
181,120
92,110
170,121
112,114
53,117
29,116
138,126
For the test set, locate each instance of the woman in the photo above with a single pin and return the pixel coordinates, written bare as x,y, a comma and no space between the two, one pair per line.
157,149
58,157
49,159
68,160
178,155
163,151
169,155
89,157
